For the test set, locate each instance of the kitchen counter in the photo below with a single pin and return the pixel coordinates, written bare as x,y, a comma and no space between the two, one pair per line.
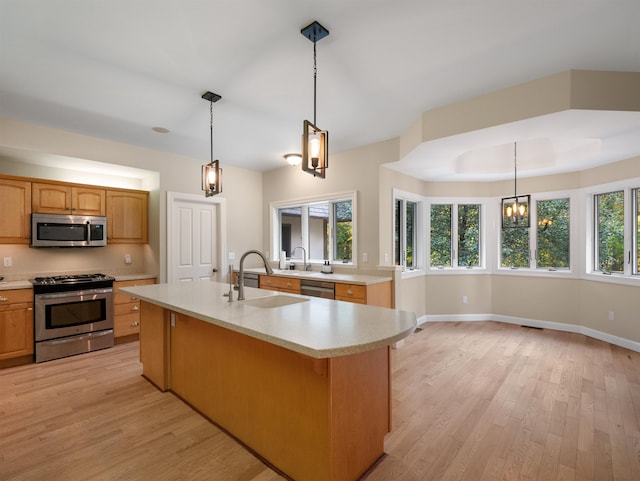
316,275
6,285
318,328
303,382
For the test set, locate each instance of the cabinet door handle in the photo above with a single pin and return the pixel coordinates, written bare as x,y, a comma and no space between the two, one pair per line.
29,308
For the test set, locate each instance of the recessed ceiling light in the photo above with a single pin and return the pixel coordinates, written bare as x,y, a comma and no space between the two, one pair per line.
160,130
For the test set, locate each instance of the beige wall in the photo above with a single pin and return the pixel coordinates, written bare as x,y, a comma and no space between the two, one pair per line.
242,190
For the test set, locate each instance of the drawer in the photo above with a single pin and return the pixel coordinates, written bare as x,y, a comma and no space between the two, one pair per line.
284,283
11,296
351,292
123,297
126,324
127,308
351,299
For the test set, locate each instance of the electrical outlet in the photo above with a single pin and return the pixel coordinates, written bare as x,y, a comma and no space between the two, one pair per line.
386,258
365,257
232,255
465,299
127,258
8,261
611,316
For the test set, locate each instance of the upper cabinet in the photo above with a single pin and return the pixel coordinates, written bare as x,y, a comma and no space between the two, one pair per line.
15,216
64,199
127,217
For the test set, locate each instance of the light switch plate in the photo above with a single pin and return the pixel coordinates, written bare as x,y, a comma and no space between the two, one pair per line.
8,262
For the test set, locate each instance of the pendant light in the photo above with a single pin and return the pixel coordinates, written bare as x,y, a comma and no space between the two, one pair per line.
515,210
315,141
211,172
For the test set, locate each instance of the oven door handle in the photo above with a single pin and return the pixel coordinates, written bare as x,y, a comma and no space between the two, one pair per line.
85,292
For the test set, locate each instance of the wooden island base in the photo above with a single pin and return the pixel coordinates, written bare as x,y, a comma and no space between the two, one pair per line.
312,419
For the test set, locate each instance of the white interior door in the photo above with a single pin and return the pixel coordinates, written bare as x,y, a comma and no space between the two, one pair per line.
194,237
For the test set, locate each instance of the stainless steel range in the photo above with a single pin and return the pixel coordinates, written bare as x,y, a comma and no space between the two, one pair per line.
73,314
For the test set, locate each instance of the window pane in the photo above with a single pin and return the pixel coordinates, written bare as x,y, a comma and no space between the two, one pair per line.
610,231
553,233
469,235
441,235
397,231
636,220
290,228
318,228
344,230
515,247
410,260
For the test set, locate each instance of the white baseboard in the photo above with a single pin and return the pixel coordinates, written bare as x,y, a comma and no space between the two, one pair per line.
558,326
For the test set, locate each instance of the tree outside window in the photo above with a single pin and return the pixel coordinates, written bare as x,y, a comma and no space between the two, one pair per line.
553,241
465,232
609,220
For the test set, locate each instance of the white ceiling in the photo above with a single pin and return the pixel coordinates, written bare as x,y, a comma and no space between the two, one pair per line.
114,69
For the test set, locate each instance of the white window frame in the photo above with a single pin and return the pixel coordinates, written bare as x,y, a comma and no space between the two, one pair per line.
589,233
485,221
419,231
574,236
275,230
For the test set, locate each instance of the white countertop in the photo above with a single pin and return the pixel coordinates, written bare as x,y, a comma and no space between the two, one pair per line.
6,285
318,328
334,277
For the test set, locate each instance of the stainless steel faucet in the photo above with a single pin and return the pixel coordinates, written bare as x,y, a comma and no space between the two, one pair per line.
304,257
241,273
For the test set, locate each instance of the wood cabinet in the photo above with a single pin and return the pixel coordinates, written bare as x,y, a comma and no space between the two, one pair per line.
283,284
126,315
15,199
53,198
127,217
16,323
378,294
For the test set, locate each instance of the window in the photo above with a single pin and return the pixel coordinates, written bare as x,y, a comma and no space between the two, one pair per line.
548,236
323,227
553,234
609,231
406,230
455,244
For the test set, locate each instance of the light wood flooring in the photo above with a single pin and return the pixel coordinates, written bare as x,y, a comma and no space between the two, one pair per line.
471,401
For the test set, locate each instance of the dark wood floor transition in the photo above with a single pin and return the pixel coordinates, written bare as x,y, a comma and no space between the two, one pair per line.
471,401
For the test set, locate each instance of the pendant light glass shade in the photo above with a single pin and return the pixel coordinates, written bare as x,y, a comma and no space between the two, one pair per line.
211,178
314,150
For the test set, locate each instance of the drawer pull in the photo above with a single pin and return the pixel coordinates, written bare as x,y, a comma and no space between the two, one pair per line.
134,298
135,324
288,284
134,308
350,292
3,299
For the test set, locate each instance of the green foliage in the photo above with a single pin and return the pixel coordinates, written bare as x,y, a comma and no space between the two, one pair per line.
553,239
441,235
515,248
344,230
469,235
610,231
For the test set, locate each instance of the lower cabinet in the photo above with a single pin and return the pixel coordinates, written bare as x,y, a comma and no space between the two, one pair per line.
127,308
378,294
283,284
16,323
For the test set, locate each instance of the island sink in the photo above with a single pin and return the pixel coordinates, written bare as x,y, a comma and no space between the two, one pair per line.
274,301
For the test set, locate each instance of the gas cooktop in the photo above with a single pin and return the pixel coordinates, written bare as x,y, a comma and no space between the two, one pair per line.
72,279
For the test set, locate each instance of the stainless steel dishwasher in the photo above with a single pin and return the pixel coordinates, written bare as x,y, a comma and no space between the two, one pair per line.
251,279
317,288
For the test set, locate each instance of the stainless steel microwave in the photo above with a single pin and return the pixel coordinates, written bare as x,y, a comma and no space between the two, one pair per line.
57,230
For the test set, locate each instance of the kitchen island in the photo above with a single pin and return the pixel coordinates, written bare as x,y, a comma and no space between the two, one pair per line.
302,382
